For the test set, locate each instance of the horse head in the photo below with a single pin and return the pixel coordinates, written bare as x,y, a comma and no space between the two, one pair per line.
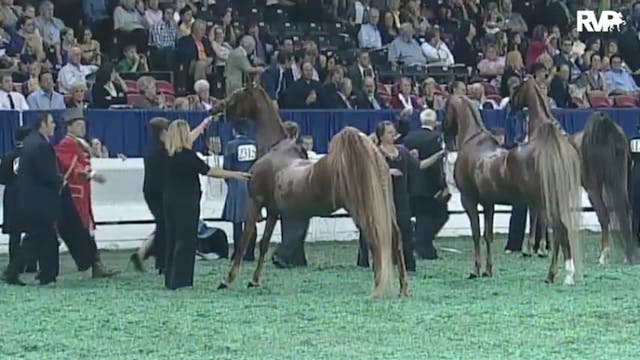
462,121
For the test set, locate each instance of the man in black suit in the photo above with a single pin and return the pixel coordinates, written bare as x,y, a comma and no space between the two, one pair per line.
12,224
368,99
559,88
360,70
278,77
428,188
39,185
304,93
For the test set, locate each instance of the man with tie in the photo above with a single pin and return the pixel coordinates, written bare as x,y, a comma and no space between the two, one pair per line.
368,99
278,77
9,99
361,70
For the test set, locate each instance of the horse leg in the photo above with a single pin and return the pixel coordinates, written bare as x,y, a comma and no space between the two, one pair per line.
488,238
264,247
527,246
553,268
595,197
561,234
253,210
542,244
471,208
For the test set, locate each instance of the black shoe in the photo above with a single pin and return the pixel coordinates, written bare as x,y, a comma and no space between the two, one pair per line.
12,279
47,281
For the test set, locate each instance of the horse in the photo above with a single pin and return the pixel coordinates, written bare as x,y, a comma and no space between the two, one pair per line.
353,175
543,174
605,163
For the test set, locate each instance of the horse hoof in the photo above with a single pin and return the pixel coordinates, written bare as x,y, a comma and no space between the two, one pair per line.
404,293
543,255
486,274
569,281
472,276
548,280
223,285
525,254
253,284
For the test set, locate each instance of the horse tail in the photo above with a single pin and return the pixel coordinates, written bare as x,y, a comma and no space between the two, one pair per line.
558,164
362,184
605,162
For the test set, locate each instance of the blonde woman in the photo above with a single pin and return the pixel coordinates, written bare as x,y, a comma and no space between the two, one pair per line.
182,203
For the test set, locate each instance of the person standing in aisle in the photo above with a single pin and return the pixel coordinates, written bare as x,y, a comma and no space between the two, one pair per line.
11,224
182,193
240,154
39,185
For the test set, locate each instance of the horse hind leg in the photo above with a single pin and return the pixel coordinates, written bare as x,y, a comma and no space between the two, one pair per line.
553,268
264,248
488,238
471,208
527,245
603,218
561,235
250,227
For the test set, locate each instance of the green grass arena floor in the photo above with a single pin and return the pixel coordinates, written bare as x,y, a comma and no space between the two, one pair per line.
324,312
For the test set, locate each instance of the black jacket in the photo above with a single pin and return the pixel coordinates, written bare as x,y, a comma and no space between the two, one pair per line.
363,103
39,181
425,182
10,201
298,92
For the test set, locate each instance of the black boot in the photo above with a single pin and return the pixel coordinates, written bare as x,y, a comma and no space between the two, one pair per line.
12,278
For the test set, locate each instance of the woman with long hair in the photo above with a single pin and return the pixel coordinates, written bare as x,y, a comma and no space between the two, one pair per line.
109,88
181,197
400,163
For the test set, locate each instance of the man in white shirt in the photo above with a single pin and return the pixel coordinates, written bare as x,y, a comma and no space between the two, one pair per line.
74,72
9,99
436,51
369,35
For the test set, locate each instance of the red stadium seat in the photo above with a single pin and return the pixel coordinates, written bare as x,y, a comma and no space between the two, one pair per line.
131,84
489,89
599,101
165,87
133,98
625,101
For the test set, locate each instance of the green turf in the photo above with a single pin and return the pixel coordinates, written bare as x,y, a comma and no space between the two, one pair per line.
324,312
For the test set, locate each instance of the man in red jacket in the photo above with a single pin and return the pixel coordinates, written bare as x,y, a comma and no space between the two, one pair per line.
76,225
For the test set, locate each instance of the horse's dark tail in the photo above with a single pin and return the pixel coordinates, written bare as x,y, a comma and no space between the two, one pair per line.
605,163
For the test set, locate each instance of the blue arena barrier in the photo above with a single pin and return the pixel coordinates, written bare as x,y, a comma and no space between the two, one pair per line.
125,131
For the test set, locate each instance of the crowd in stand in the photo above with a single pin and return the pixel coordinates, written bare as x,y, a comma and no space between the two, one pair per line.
348,54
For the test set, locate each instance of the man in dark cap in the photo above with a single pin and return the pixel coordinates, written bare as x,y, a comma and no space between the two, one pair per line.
76,225
11,224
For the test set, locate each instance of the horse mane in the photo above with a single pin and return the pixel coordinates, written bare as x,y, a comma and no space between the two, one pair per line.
361,182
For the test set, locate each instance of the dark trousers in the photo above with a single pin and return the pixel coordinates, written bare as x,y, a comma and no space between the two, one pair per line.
163,59
81,244
431,215
290,253
158,247
27,262
238,229
181,214
41,242
517,225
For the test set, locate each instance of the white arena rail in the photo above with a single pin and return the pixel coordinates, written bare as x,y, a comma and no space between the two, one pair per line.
120,200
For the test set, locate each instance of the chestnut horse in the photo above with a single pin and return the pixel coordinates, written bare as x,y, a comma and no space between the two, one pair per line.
353,175
543,174
605,163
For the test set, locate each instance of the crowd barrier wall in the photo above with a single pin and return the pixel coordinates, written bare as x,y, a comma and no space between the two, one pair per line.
124,220
125,131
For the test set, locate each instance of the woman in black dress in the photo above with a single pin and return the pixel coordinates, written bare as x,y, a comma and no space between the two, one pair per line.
182,195
109,88
400,162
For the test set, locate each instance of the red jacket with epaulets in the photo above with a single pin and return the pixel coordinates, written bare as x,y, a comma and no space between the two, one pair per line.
74,160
